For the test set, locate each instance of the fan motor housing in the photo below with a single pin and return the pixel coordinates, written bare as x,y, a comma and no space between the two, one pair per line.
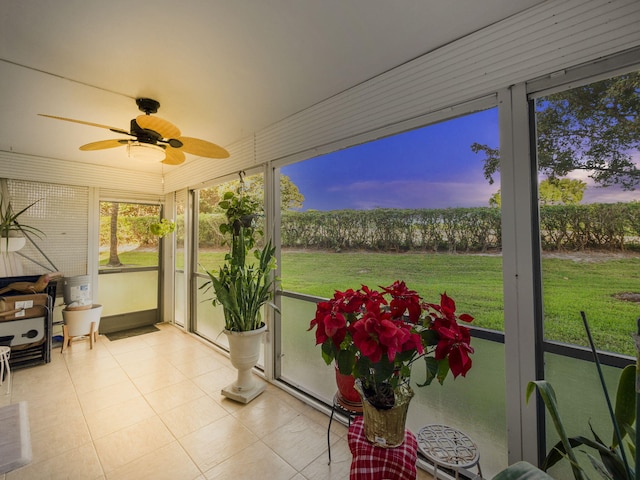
147,105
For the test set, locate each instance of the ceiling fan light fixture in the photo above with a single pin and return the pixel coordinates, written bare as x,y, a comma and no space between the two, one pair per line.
145,152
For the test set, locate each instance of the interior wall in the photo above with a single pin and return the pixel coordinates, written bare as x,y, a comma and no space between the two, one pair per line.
47,170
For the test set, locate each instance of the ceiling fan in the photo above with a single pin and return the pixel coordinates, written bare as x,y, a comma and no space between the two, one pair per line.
154,139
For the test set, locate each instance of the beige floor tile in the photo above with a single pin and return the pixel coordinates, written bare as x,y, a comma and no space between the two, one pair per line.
170,462
135,356
192,416
146,367
198,366
159,379
265,414
131,443
213,382
111,419
44,415
256,461
107,396
125,345
174,395
53,440
88,380
217,441
90,364
78,464
339,468
300,441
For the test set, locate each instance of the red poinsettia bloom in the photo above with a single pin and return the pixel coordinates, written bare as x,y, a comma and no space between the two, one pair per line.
454,342
363,331
348,301
404,301
365,337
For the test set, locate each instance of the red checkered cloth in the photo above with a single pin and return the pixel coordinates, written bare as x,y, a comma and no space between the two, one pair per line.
377,463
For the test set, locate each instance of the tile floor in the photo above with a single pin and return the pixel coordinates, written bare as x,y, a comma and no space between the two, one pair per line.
149,407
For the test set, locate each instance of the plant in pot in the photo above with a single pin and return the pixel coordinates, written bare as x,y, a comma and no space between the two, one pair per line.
162,227
608,460
11,230
377,336
242,286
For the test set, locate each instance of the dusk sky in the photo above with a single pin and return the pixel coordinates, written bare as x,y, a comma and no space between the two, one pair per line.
432,167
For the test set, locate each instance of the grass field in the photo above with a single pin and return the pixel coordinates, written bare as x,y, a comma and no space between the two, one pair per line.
570,283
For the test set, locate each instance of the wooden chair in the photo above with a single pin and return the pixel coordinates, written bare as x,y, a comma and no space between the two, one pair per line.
81,323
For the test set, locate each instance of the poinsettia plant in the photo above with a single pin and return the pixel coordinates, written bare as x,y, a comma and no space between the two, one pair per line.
377,335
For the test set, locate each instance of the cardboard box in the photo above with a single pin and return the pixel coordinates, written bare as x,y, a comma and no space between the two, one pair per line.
19,307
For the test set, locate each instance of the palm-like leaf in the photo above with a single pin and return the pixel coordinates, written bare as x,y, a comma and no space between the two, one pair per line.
548,395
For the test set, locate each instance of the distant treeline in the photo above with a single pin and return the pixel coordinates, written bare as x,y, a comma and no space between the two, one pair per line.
595,226
563,227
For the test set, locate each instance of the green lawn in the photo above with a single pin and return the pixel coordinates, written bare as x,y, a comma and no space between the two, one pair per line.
475,283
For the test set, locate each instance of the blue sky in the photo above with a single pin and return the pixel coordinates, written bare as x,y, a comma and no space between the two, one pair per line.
432,167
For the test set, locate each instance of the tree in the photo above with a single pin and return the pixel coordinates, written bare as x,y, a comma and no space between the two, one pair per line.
595,128
113,210
114,260
290,195
553,191
563,191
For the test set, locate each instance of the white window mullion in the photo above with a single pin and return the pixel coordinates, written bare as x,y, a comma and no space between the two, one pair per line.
522,342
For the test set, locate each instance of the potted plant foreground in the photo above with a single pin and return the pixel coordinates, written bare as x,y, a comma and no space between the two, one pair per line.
377,335
242,286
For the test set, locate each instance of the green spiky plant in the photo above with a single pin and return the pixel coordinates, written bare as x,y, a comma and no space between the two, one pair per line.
243,284
609,461
9,224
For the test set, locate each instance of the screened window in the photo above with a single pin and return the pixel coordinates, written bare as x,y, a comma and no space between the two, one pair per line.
415,207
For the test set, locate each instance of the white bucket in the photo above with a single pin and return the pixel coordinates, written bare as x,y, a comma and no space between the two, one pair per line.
77,291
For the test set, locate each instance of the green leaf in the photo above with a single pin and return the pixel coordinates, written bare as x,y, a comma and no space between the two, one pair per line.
431,369
548,395
625,409
443,370
522,471
346,361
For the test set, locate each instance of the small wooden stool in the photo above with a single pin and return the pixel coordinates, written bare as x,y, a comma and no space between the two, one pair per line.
447,447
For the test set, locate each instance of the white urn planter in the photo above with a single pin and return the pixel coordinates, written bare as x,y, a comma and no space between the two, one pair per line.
244,350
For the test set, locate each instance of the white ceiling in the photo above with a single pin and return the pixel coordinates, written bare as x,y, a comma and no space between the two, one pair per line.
221,69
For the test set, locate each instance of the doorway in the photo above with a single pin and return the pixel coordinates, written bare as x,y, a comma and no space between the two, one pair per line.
129,266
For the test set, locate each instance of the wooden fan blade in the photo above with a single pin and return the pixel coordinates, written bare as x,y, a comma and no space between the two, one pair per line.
174,157
103,144
163,127
91,124
202,148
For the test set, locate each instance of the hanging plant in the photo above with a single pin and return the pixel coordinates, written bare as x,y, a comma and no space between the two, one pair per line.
162,228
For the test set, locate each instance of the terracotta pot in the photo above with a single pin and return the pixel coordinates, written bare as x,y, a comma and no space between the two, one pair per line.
347,395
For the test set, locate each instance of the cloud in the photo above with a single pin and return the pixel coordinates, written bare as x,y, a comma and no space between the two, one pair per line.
412,194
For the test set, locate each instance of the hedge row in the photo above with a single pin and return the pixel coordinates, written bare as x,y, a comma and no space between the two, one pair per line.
563,227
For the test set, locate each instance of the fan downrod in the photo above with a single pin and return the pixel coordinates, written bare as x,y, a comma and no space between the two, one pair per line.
147,105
